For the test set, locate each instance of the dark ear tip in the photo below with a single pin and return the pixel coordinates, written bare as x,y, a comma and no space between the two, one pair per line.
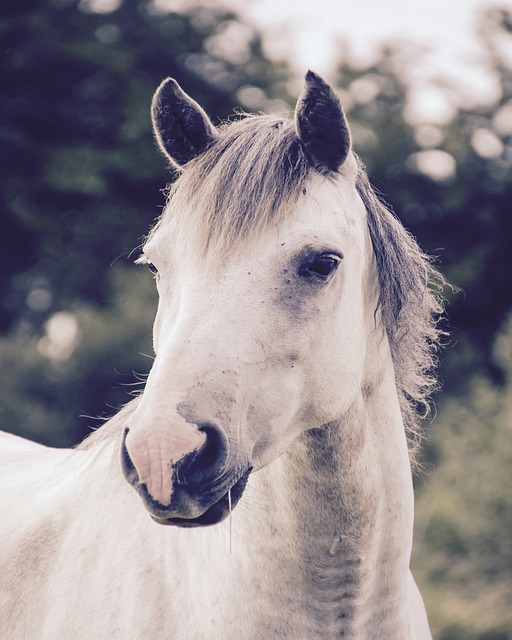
168,87
313,80
183,130
171,85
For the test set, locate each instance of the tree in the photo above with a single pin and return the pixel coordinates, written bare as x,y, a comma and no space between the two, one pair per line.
81,179
80,176
450,185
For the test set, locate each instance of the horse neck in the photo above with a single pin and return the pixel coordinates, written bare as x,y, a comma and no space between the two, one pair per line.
349,490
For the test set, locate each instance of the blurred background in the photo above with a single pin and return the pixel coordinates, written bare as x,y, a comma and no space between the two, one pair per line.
81,182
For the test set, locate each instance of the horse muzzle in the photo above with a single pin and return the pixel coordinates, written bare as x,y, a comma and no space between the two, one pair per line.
204,484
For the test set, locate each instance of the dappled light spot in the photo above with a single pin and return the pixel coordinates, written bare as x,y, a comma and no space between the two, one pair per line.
429,105
366,89
39,299
428,136
434,163
502,120
107,33
251,97
486,144
365,138
99,6
61,335
232,42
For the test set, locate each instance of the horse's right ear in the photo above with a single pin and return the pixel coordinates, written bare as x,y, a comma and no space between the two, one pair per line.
182,128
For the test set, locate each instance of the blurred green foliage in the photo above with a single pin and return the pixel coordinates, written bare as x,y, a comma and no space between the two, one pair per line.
80,184
81,181
463,546
463,218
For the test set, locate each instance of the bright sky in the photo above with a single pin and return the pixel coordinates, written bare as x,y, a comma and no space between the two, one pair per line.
309,32
312,27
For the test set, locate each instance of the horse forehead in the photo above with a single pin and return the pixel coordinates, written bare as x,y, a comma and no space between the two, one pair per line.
328,210
331,206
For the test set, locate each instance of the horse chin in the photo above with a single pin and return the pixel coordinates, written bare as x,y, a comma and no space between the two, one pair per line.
215,513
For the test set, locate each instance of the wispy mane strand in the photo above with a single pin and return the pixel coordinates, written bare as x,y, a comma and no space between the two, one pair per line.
411,304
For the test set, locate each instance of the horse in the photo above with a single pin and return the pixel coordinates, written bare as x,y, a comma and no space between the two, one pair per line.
260,486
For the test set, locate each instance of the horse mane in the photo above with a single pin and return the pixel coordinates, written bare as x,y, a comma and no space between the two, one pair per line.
248,180
411,304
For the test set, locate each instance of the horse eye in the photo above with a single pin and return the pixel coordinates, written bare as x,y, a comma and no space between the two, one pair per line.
152,268
322,266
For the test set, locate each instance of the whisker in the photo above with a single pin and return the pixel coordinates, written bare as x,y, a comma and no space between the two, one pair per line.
230,521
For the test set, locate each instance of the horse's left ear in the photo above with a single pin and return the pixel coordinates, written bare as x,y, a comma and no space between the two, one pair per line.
321,125
182,129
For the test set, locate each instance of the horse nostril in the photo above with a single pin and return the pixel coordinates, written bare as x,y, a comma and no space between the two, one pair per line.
127,466
206,463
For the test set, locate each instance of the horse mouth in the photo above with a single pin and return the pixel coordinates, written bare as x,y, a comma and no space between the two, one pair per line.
217,512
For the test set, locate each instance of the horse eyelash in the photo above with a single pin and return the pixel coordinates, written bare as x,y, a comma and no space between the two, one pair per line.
142,259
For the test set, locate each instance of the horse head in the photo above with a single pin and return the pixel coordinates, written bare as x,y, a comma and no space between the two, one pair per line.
267,300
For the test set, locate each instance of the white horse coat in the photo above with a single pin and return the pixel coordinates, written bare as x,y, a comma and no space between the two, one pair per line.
269,447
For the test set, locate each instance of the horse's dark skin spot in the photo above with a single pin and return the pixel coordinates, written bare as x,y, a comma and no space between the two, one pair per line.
368,390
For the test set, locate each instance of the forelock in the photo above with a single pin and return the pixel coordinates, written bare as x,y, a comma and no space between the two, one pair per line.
245,182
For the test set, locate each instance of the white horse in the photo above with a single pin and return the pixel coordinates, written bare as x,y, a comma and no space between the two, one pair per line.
294,348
